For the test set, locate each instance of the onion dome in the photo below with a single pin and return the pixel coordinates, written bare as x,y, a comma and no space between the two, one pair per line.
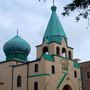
16,48
54,31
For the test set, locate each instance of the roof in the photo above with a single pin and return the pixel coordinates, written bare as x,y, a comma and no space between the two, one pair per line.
48,57
16,44
54,30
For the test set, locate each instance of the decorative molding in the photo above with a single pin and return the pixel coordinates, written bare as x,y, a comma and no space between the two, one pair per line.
38,75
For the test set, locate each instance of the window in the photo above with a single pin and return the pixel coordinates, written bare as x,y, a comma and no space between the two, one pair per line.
36,86
19,80
64,52
69,55
53,69
36,67
75,74
58,51
45,50
88,74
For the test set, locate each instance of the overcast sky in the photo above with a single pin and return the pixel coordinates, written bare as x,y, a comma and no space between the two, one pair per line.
31,18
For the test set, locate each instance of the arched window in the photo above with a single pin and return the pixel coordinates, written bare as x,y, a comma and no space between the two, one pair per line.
53,69
19,81
88,74
67,87
64,52
36,68
75,74
58,51
45,50
69,55
36,86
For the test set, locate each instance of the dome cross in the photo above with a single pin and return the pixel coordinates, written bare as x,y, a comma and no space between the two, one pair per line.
53,2
17,32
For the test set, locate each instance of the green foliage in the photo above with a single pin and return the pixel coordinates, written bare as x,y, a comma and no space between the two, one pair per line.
83,5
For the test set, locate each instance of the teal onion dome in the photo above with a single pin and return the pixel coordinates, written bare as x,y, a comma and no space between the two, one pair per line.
54,31
16,48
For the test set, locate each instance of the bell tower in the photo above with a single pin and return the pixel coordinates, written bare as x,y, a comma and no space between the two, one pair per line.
55,39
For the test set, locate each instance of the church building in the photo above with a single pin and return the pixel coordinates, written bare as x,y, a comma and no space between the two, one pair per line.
53,69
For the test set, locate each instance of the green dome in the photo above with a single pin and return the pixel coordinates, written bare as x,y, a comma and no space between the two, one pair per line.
54,31
18,46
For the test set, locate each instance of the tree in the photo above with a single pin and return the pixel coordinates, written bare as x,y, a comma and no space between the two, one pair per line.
82,5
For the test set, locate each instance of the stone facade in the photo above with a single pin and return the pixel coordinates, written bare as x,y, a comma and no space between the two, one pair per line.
64,72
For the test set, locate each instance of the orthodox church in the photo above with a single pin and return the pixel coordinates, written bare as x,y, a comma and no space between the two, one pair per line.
53,69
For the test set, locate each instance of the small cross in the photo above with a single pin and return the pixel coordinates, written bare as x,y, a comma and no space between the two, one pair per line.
17,32
53,2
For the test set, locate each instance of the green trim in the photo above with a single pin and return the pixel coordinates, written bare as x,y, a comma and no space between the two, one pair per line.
36,75
48,57
61,79
76,65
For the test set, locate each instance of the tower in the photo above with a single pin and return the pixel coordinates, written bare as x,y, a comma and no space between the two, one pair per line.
55,39
61,71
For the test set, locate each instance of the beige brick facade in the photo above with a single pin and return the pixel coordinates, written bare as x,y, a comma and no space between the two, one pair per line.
9,72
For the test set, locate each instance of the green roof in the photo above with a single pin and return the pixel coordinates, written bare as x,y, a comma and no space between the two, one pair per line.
76,65
16,48
48,57
54,30
16,44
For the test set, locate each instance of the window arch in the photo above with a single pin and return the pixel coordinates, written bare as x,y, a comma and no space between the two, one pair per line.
36,86
53,69
19,81
58,51
36,68
69,55
75,74
45,50
88,74
64,52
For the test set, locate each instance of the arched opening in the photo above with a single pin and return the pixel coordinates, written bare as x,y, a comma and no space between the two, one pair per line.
64,52
75,74
53,69
45,50
88,74
67,87
36,68
36,86
58,51
69,55
19,80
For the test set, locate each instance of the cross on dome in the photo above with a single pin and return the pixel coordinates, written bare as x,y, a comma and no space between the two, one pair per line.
17,32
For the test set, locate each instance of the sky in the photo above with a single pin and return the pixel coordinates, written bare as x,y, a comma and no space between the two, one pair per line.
31,18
